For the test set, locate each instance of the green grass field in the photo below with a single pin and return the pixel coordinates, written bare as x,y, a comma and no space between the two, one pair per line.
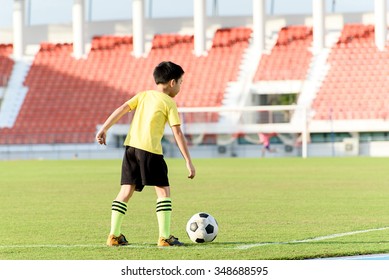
266,209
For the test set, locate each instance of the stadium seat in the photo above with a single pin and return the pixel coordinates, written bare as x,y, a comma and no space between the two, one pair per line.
6,63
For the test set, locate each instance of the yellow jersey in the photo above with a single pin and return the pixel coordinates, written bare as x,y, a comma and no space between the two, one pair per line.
153,110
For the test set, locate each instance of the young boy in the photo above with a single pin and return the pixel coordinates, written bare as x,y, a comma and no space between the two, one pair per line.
143,162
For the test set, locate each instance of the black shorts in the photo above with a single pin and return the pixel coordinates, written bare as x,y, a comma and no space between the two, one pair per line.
142,168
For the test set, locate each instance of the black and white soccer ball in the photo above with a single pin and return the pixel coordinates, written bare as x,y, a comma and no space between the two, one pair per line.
202,227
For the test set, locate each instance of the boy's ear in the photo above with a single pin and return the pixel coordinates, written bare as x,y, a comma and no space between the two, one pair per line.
172,82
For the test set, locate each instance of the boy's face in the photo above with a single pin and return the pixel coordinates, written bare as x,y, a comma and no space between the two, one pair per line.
175,87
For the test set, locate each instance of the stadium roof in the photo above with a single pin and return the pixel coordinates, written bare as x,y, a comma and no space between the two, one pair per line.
59,11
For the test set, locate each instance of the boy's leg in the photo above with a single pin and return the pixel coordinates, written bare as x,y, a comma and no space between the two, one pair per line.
119,209
164,212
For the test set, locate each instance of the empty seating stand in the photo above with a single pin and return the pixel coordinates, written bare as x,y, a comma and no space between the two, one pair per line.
289,58
67,97
356,86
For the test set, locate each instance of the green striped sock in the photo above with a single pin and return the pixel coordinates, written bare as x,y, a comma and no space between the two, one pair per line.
119,209
164,213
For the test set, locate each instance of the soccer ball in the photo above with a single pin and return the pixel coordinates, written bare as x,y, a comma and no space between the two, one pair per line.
202,227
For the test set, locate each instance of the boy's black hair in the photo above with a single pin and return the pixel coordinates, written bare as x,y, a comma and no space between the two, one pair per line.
167,71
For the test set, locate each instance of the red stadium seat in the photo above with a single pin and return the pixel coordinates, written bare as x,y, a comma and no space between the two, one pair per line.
6,63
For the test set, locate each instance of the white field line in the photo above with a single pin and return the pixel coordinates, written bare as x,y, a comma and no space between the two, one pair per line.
240,247
68,246
320,238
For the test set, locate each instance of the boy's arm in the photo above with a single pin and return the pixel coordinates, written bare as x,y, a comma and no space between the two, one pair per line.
111,120
181,143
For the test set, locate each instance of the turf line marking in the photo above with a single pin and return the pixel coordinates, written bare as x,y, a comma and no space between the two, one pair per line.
241,247
331,236
67,246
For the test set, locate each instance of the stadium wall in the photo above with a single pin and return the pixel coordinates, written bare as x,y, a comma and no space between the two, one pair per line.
94,151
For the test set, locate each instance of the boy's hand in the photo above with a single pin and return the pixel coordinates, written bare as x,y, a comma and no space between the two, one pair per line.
112,119
100,137
191,169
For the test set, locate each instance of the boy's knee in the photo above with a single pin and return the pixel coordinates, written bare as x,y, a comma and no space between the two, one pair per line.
126,192
162,191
